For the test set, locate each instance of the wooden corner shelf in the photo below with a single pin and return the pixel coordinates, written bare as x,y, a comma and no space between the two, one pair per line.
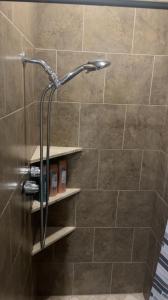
52,238
54,152
55,199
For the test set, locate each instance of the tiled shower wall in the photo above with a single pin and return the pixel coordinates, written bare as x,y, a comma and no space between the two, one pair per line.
119,117
16,145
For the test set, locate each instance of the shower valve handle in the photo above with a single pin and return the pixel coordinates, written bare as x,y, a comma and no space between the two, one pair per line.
30,187
34,171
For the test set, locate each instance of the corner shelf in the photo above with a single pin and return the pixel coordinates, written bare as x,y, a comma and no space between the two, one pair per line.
55,199
52,238
54,152
55,234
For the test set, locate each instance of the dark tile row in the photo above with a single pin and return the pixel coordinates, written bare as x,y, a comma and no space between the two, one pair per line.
103,245
117,170
89,278
107,126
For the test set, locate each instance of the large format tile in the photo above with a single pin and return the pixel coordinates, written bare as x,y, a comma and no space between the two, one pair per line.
108,29
82,169
85,87
151,31
128,278
119,169
159,93
96,208
102,126
143,128
23,14
140,244
92,278
5,250
135,209
64,26
113,244
53,279
6,8
124,81
77,247
153,171
64,124
13,67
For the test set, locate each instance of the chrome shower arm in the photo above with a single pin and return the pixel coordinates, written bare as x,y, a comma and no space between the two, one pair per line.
71,75
52,75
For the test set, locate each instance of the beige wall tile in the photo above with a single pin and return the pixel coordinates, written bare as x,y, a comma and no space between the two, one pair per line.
102,126
108,29
64,27
23,15
159,93
13,67
85,87
119,169
151,34
143,128
6,8
124,80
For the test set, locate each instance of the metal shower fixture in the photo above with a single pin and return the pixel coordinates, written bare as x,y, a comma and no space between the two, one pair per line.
88,67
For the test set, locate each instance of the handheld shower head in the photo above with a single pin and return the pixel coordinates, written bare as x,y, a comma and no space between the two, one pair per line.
88,67
96,65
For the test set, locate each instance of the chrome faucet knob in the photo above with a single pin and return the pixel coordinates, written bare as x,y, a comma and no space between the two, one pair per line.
30,187
34,171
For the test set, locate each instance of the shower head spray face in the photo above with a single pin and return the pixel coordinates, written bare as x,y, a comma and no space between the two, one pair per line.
89,67
96,65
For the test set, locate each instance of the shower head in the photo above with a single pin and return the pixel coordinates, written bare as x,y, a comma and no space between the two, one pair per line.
88,67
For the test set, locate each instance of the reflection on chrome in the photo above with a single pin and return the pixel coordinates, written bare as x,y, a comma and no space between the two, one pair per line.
8,185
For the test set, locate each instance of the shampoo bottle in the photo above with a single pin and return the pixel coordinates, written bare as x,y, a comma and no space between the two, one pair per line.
53,179
62,176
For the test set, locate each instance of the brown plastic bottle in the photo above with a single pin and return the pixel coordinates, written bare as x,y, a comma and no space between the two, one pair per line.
53,179
62,176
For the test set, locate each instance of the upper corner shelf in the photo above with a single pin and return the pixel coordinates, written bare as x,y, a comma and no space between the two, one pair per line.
54,152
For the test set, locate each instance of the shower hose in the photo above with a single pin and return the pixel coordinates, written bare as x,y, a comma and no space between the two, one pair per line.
44,210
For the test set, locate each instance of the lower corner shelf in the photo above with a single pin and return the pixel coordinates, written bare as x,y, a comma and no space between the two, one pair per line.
52,238
53,199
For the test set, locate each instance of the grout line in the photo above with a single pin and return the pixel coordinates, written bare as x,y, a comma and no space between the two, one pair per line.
13,112
83,26
79,125
75,210
73,277
110,262
133,33
93,254
150,92
98,169
102,52
104,83
111,104
124,128
18,30
111,190
116,215
132,246
140,174
111,279
113,227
